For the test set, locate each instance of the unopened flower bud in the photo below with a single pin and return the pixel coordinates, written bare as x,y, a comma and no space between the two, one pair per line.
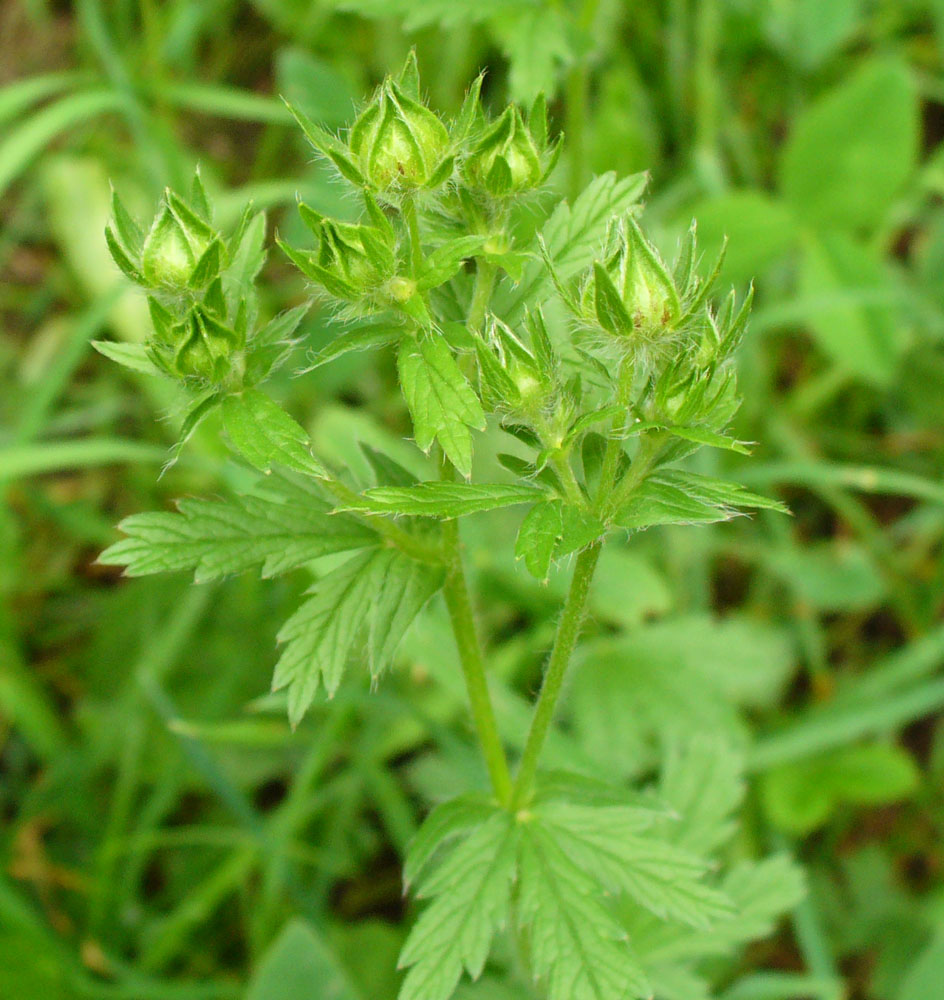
175,243
399,145
506,160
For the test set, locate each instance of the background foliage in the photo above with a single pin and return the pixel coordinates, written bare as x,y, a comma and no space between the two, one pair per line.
165,833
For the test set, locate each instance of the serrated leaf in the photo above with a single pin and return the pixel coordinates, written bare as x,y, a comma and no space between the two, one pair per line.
400,597
379,592
444,822
677,497
217,537
538,536
573,236
578,948
471,893
444,499
702,435
702,781
442,403
608,842
264,434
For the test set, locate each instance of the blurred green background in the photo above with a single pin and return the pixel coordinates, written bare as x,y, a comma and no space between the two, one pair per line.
164,834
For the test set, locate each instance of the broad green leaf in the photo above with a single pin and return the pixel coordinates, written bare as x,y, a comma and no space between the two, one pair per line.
579,950
444,499
264,434
802,796
415,14
573,237
471,892
441,401
702,781
855,306
539,44
849,154
378,593
667,682
830,576
131,356
677,497
216,537
628,588
538,536
609,843
294,963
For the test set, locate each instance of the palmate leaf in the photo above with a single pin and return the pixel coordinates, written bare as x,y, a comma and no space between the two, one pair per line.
380,591
678,497
442,403
573,236
609,843
471,892
280,529
578,948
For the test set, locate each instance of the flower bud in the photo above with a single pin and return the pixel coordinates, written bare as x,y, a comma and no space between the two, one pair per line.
631,293
351,261
506,160
198,346
399,145
174,245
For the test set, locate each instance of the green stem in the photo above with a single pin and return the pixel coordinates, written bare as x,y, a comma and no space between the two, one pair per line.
459,604
568,632
408,209
614,446
481,294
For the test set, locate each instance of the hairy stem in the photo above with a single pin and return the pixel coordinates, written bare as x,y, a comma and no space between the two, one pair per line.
614,446
481,294
568,632
473,666
413,226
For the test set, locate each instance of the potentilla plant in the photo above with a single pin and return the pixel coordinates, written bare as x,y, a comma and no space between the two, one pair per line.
605,892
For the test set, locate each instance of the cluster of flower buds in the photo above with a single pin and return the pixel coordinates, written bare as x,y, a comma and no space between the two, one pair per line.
200,290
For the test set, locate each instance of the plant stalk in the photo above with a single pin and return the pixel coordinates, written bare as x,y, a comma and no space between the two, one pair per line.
485,274
568,632
456,592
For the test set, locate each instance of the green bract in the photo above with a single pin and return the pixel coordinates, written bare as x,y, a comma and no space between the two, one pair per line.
596,415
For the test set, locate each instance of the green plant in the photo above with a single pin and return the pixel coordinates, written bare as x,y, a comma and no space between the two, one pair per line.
604,368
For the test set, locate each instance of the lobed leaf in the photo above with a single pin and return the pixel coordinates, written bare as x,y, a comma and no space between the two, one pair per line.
444,499
472,895
217,537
